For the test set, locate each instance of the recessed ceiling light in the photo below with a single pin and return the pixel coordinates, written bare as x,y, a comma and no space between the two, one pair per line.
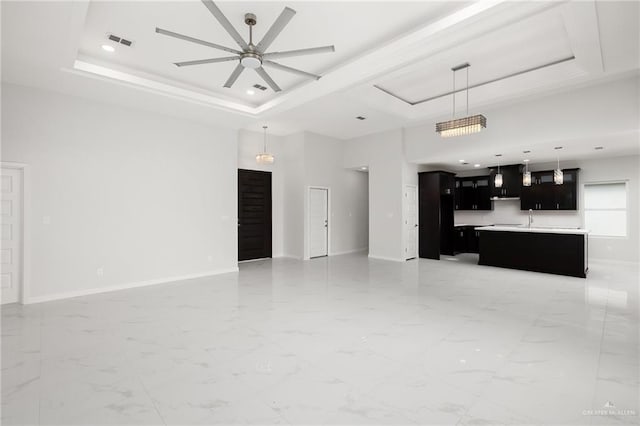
460,161
599,147
526,160
251,92
108,48
476,165
363,168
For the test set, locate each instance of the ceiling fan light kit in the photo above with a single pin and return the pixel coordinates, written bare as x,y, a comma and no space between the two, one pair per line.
250,56
461,126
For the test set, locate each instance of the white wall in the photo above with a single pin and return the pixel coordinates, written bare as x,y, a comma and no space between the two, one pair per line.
249,145
294,196
143,196
349,216
383,154
591,171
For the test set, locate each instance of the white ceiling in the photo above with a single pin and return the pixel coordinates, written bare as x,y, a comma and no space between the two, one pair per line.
352,27
407,48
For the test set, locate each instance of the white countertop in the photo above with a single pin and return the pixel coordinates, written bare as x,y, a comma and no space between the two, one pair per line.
524,228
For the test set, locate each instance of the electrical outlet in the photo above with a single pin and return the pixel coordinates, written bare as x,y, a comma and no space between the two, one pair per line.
100,272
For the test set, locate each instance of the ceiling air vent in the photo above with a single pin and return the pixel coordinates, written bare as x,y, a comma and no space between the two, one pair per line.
120,40
258,86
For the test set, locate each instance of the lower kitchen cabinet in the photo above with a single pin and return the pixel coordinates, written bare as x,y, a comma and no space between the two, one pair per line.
467,239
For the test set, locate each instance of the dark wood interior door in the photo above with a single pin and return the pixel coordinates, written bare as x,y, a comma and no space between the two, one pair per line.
254,214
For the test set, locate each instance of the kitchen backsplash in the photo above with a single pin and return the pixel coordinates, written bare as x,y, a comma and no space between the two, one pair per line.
508,212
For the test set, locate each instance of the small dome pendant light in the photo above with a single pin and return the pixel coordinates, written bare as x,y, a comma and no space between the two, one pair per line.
264,157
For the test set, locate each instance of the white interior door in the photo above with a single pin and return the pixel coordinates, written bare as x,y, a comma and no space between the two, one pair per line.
318,222
11,235
410,221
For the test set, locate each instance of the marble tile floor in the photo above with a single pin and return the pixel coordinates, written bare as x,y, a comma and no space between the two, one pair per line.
344,340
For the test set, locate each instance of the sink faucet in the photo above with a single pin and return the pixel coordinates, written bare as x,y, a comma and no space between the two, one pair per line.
530,217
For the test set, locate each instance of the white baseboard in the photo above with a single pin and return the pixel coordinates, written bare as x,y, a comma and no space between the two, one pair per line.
340,253
290,256
392,259
613,261
87,292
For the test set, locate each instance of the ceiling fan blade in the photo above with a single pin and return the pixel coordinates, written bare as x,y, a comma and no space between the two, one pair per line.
262,73
195,40
234,75
291,70
275,29
300,52
217,13
206,61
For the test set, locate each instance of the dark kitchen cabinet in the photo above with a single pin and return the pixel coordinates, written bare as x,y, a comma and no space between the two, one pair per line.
544,194
460,239
473,193
435,211
466,239
511,182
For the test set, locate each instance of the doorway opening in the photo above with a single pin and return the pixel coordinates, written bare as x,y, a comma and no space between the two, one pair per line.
318,222
13,278
410,222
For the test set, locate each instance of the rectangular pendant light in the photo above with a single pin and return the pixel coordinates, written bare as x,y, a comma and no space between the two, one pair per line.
461,126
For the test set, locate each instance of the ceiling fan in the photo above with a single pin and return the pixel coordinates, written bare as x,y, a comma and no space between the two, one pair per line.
251,56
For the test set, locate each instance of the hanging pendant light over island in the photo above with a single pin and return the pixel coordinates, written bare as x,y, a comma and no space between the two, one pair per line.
461,126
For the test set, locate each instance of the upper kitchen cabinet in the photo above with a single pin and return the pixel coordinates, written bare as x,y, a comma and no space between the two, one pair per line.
511,182
473,193
544,194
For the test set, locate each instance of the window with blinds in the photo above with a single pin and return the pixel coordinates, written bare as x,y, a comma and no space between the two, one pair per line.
605,209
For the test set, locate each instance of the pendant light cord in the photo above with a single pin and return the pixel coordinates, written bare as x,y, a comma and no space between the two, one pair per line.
467,91
265,139
454,95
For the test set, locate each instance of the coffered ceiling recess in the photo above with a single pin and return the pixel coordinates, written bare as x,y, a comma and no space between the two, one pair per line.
391,63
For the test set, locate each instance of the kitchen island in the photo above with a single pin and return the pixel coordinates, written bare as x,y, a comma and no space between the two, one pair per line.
560,251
